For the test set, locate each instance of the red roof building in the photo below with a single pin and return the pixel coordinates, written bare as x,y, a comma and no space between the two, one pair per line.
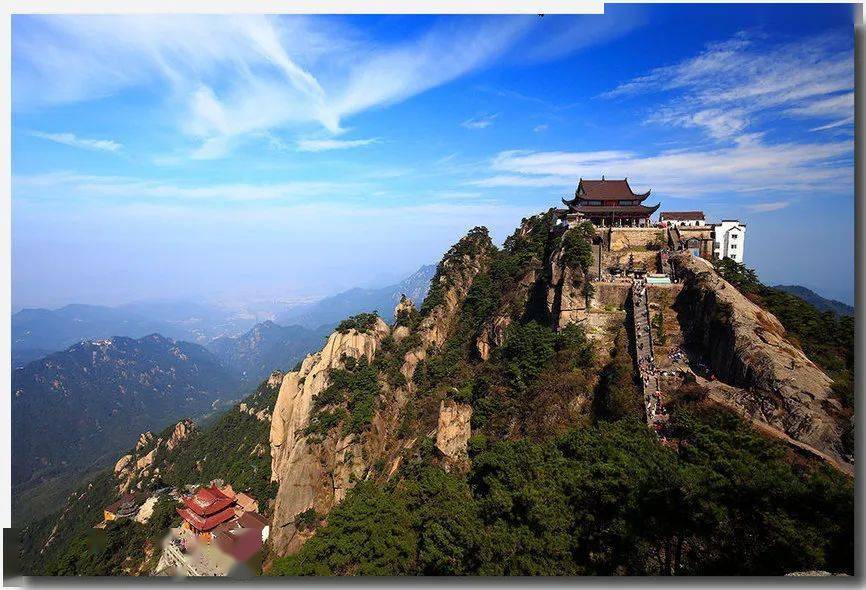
206,509
610,203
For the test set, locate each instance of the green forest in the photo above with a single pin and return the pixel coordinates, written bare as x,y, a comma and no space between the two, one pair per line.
602,500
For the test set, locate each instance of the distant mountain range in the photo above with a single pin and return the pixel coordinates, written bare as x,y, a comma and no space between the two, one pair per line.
57,329
331,310
267,347
73,407
822,303
37,332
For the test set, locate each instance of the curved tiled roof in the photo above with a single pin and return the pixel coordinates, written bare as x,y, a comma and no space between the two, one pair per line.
607,189
208,523
208,501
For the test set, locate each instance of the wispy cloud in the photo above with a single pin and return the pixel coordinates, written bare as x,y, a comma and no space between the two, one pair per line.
751,166
40,186
226,77
724,88
767,207
563,37
322,145
480,122
540,128
70,139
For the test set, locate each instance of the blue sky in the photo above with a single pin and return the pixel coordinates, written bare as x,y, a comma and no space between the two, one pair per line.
260,158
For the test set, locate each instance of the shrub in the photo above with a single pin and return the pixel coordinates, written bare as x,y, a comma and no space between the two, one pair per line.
363,322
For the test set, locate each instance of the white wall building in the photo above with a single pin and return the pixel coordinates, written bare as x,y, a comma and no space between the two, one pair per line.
729,240
683,218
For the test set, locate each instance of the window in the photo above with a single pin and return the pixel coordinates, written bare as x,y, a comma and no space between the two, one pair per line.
734,236
733,246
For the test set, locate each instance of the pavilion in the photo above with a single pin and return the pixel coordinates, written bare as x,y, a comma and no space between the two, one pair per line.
609,203
205,510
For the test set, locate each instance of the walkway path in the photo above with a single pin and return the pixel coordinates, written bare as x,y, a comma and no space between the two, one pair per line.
655,413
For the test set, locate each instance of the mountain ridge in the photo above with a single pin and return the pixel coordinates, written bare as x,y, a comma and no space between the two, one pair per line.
818,301
331,310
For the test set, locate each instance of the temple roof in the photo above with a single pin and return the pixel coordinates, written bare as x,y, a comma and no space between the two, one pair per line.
208,501
607,189
125,499
252,520
206,524
241,544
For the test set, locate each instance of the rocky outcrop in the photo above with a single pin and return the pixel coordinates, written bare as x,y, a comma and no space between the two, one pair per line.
452,435
313,475
316,469
566,299
134,469
275,379
403,316
181,432
746,346
144,440
145,461
463,262
122,463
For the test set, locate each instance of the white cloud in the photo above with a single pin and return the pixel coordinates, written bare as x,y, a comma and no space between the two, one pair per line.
717,123
225,77
479,122
540,128
750,166
767,207
322,145
70,139
730,84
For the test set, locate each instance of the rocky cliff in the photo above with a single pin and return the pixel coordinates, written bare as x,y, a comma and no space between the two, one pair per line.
315,473
746,346
321,444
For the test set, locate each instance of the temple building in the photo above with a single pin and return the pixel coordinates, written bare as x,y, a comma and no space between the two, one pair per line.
683,218
609,203
206,510
125,507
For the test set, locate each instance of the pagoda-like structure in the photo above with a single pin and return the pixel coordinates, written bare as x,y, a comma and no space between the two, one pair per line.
609,203
206,509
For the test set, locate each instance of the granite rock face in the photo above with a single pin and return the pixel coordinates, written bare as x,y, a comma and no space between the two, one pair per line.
452,435
313,475
137,466
316,470
746,347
